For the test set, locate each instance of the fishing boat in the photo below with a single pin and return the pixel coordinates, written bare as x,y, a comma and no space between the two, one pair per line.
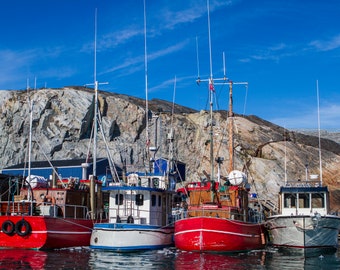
140,208
40,213
216,216
46,217
305,224
139,216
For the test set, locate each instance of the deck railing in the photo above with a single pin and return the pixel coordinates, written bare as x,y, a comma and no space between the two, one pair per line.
47,209
251,216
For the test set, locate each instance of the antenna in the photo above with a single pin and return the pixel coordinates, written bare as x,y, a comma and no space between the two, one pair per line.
211,84
285,137
96,98
245,100
198,62
173,101
224,69
319,131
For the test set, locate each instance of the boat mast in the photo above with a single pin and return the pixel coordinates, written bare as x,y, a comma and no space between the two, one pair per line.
211,91
95,124
30,104
94,158
170,166
223,80
146,94
231,122
231,128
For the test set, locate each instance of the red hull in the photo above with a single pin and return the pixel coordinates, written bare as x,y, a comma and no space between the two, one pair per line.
208,234
47,233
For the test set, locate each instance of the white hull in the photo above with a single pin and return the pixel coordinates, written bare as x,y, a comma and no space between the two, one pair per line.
130,237
305,232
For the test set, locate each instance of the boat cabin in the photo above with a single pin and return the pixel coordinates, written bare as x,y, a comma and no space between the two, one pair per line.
70,198
303,200
143,200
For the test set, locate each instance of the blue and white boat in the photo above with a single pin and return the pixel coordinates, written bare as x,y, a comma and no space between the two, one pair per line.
139,215
140,206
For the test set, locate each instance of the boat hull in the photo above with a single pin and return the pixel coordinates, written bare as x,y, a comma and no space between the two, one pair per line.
305,232
208,234
46,232
123,237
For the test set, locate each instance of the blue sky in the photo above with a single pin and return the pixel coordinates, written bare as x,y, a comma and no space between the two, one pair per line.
281,48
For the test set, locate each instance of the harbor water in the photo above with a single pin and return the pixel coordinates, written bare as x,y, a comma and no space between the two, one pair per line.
85,258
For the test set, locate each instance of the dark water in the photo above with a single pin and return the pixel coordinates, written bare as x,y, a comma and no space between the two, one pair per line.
84,258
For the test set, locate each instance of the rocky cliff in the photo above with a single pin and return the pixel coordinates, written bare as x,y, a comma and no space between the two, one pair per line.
62,128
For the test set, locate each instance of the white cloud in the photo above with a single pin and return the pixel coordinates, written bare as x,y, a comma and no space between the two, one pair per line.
273,53
168,84
171,18
137,63
326,45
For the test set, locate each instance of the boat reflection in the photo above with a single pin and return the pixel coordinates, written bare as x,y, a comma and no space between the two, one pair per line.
196,260
22,259
283,259
52,259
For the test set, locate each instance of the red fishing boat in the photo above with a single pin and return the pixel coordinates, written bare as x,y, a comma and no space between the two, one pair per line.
36,213
47,218
220,220
216,215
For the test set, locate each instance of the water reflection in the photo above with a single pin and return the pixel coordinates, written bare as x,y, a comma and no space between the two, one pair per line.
282,260
22,259
205,261
54,259
85,258
158,259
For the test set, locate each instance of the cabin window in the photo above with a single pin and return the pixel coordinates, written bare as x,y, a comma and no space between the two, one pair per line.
318,200
303,200
153,200
159,200
119,199
289,200
139,199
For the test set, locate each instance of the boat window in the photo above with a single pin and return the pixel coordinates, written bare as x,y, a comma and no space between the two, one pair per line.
289,200
139,199
318,200
159,200
119,199
304,200
153,200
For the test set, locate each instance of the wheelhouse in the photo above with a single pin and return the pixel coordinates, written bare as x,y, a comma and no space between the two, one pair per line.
303,200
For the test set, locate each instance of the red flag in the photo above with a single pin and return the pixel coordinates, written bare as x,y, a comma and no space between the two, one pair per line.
211,85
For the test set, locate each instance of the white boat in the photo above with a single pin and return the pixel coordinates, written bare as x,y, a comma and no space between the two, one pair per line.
140,209
139,216
304,223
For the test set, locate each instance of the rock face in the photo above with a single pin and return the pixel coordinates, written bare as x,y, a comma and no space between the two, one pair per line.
62,126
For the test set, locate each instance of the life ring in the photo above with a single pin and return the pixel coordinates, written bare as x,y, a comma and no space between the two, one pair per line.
8,227
23,228
155,182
